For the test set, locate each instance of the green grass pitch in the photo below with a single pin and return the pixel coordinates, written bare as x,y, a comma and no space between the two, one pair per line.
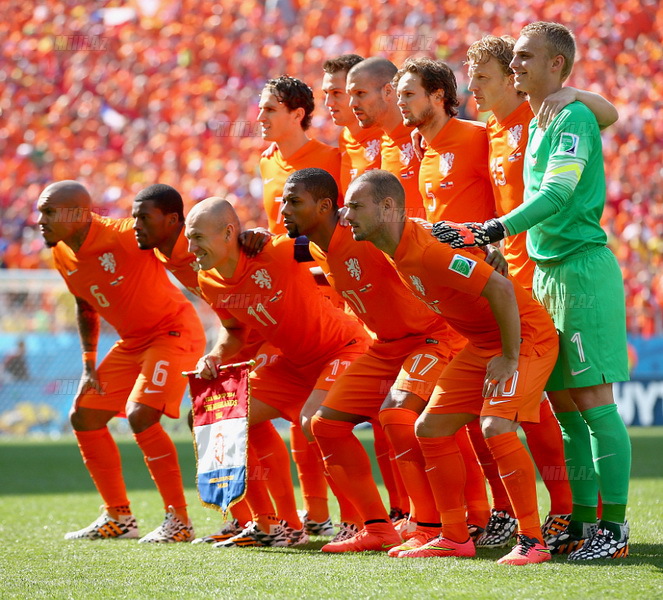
45,491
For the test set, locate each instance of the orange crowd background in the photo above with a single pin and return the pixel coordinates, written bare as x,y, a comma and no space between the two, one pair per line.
120,95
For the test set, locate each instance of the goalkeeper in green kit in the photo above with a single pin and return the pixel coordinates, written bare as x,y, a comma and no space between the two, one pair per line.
578,280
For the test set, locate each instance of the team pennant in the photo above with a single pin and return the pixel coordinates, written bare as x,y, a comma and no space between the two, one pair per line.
220,433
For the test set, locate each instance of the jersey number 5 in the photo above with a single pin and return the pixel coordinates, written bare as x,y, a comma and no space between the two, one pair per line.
497,170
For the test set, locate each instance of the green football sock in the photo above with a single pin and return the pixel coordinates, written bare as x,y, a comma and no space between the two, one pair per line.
579,465
611,448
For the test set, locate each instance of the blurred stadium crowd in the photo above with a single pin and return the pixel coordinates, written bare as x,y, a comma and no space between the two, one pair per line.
120,95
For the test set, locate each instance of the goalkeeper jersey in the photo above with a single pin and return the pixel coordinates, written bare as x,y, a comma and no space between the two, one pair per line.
564,187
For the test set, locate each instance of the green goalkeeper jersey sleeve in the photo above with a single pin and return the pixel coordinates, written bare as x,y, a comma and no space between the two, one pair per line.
564,187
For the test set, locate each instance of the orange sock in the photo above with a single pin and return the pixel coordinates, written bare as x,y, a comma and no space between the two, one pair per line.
398,425
381,447
241,511
384,454
274,469
311,473
445,469
347,510
545,443
102,460
257,496
401,490
476,497
161,460
517,473
349,514
488,465
347,463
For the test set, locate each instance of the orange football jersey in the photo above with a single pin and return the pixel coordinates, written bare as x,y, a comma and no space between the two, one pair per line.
365,278
278,297
399,159
127,286
508,141
454,179
359,153
275,169
182,264
451,281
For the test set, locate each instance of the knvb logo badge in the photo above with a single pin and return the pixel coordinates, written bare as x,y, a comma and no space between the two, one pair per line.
107,261
262,279
372,149
353,267
405,43
78,43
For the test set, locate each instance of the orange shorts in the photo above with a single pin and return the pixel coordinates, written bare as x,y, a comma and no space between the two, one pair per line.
150,374
411,364
460,387
281,384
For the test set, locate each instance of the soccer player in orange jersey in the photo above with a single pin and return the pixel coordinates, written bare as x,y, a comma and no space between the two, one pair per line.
359,147
392,382
360,151
158,213
499,376
453,177
286,106
491,83
160,336
373,101
276,295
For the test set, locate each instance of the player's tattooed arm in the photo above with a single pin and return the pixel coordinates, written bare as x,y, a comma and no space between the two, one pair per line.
231,339
88,325
88,329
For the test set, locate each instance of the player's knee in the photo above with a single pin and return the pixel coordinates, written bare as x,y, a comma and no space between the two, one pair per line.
423,427
307,427
76,420
492,426
142,417
328,428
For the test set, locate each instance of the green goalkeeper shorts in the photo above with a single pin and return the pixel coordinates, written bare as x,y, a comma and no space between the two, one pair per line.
584,295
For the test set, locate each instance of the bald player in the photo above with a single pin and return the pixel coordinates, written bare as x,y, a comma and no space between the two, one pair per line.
276,295
158,213
373,101
160,336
